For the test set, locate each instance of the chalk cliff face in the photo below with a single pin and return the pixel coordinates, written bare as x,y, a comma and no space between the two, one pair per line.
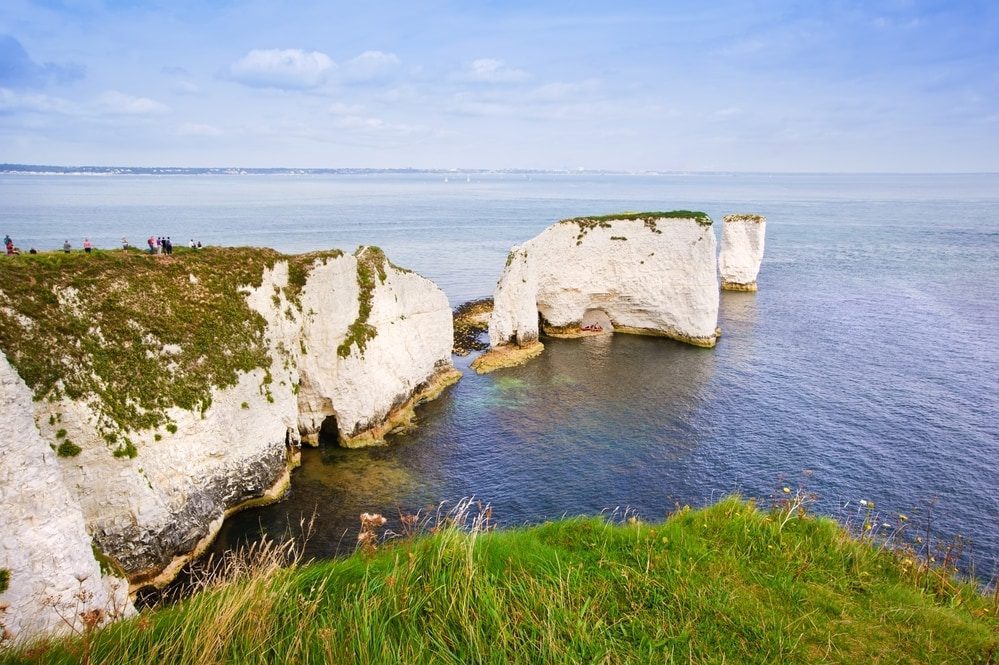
646,273
741,251
350,352
45,549
370,391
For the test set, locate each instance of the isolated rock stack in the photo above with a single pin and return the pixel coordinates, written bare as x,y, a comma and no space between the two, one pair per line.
741,251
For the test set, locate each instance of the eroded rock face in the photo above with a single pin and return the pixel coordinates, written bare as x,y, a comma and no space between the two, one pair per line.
741,251
649,273
53,575
372,391
361,341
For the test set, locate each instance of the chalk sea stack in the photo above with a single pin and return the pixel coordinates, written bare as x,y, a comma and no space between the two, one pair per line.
649,273
741,251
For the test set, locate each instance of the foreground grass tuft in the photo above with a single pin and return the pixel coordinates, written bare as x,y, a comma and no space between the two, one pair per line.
729,583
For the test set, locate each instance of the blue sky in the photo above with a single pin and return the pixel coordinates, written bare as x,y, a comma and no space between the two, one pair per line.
679,86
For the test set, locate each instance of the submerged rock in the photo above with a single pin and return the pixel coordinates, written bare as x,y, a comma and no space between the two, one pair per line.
471,321
741,251
238,366
642,273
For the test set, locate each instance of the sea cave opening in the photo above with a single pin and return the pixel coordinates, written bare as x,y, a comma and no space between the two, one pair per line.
329,433
596,319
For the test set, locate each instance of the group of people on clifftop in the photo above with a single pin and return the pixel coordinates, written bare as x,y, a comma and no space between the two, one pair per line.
157,245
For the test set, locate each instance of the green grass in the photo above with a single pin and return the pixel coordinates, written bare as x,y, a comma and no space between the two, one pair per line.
698,216
142,333
68,449
370,263
729,583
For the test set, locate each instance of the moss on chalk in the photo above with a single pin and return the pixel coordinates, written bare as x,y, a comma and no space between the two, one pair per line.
133,335
371,263
68,449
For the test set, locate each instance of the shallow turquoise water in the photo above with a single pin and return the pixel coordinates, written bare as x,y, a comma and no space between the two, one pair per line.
868,357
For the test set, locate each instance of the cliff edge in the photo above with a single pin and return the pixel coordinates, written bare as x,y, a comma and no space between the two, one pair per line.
176,389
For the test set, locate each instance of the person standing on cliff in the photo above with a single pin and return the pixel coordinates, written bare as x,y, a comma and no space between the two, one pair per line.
86,245
9,244
66,247
152,244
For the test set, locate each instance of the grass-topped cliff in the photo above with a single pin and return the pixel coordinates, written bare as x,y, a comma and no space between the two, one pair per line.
696,215
135,334
650,219
729,583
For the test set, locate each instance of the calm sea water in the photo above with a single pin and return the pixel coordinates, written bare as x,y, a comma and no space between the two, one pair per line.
865,368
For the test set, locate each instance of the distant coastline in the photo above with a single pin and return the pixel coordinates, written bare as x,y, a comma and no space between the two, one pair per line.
47,169
43,169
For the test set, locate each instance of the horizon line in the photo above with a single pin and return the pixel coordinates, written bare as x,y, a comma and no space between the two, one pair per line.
11,168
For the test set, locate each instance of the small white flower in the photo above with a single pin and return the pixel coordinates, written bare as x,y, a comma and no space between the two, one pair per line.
863,502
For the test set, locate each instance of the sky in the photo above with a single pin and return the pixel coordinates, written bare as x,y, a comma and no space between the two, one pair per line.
830,86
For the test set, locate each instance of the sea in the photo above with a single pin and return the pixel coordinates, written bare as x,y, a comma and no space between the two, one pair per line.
863,375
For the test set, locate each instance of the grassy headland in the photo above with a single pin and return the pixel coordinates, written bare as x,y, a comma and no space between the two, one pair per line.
728,583
136,334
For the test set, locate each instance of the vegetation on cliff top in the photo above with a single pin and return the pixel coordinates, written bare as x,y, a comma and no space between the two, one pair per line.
590,220
134,334
745,217
650,219
371,261
728,583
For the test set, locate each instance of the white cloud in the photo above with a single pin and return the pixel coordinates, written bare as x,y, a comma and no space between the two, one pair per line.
370,66
339,108
726,113
118,103
287,69
185,87
198,129
11,101
490,70
561,91
370,125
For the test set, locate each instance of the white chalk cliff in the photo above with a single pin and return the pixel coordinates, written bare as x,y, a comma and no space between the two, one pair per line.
51,573
645,273
741,251
363,344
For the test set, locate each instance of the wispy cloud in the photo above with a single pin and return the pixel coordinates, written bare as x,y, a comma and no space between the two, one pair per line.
119,103
491,70
286,69
198,129
12,101
370,66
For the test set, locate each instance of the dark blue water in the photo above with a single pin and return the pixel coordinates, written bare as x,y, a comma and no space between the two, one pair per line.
867,359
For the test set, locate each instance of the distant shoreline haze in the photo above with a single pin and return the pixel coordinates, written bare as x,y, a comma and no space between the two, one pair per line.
48,169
